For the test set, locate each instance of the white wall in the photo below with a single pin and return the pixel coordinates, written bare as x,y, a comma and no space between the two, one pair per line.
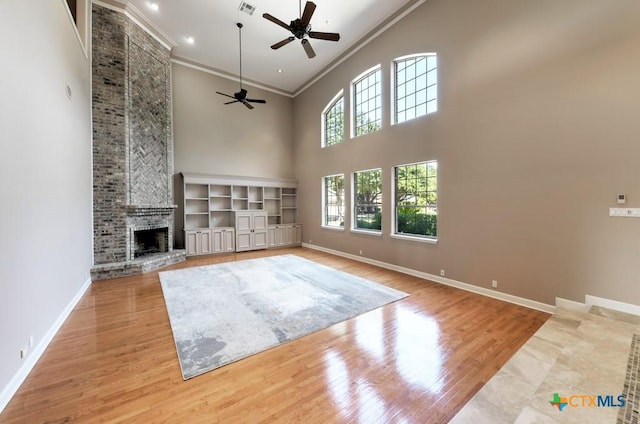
45,176
213,138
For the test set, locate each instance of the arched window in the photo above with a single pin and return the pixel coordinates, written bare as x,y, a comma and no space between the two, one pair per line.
367,102
415,86
333,121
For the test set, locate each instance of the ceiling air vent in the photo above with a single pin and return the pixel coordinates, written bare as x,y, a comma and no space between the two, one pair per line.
247,8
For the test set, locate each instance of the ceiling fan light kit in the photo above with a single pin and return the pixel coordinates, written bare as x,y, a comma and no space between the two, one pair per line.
300,28
241,96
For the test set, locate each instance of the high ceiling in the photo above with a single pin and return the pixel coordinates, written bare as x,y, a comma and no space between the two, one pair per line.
212,25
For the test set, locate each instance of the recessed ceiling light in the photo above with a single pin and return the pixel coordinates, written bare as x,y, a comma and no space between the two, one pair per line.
189,40
327,22
280,71
153,6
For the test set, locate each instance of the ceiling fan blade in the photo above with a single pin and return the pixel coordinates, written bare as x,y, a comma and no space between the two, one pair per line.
309,8
256,101
247,105
234,101
276,21
225,94
283,43
330,36
308,49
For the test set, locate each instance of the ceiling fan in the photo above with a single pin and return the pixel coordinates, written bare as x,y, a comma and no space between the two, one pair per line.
301,29
241,96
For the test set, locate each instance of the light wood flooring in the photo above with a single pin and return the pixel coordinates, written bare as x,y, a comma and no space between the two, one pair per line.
418,360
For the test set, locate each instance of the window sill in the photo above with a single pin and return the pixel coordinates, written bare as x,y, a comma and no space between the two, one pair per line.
367,232
326,227
418,239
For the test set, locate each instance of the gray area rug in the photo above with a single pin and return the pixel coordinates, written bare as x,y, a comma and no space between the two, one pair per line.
225,312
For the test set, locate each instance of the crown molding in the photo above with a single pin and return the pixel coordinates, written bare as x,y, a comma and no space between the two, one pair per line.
372,35
217,72
139,19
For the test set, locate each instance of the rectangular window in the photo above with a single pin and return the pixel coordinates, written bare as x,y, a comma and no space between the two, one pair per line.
416,86
367,103
333,201
416,199
367,200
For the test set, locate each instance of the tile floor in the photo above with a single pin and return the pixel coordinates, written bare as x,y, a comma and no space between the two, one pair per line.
575,354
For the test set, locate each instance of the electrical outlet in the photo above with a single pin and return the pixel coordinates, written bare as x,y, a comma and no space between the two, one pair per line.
360,252
23,352
442,272
310,241
494,284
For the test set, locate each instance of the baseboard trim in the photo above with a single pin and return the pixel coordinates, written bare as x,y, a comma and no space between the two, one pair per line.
612,304
571,305
30,361
531,304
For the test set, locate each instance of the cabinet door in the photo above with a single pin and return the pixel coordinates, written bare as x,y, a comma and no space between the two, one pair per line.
259,239
280,235
271,236
228,241
243,222
298,234
290,234
205,242
243,241
217,241
191,243
260,221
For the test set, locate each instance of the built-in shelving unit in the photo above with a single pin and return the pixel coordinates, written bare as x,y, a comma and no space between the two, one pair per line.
289,208
211,202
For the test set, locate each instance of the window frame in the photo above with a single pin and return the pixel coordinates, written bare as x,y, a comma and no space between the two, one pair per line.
394,207
334,101
354,203
79,12
325,205
354,105
394,87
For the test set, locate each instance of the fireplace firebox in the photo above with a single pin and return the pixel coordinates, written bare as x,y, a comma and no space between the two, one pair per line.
149,242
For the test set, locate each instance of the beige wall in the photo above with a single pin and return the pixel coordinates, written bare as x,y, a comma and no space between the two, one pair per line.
536,133
213,138
45,174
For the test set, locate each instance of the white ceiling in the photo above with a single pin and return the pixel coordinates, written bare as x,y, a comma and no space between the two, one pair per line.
212,24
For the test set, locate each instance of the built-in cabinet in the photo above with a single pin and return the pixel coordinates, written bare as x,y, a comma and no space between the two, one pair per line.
207,241
222,240
284,235
251,230
276,236
221,213
198,242
293,234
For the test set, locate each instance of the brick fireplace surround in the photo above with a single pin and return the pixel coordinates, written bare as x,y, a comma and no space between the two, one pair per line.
132,146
